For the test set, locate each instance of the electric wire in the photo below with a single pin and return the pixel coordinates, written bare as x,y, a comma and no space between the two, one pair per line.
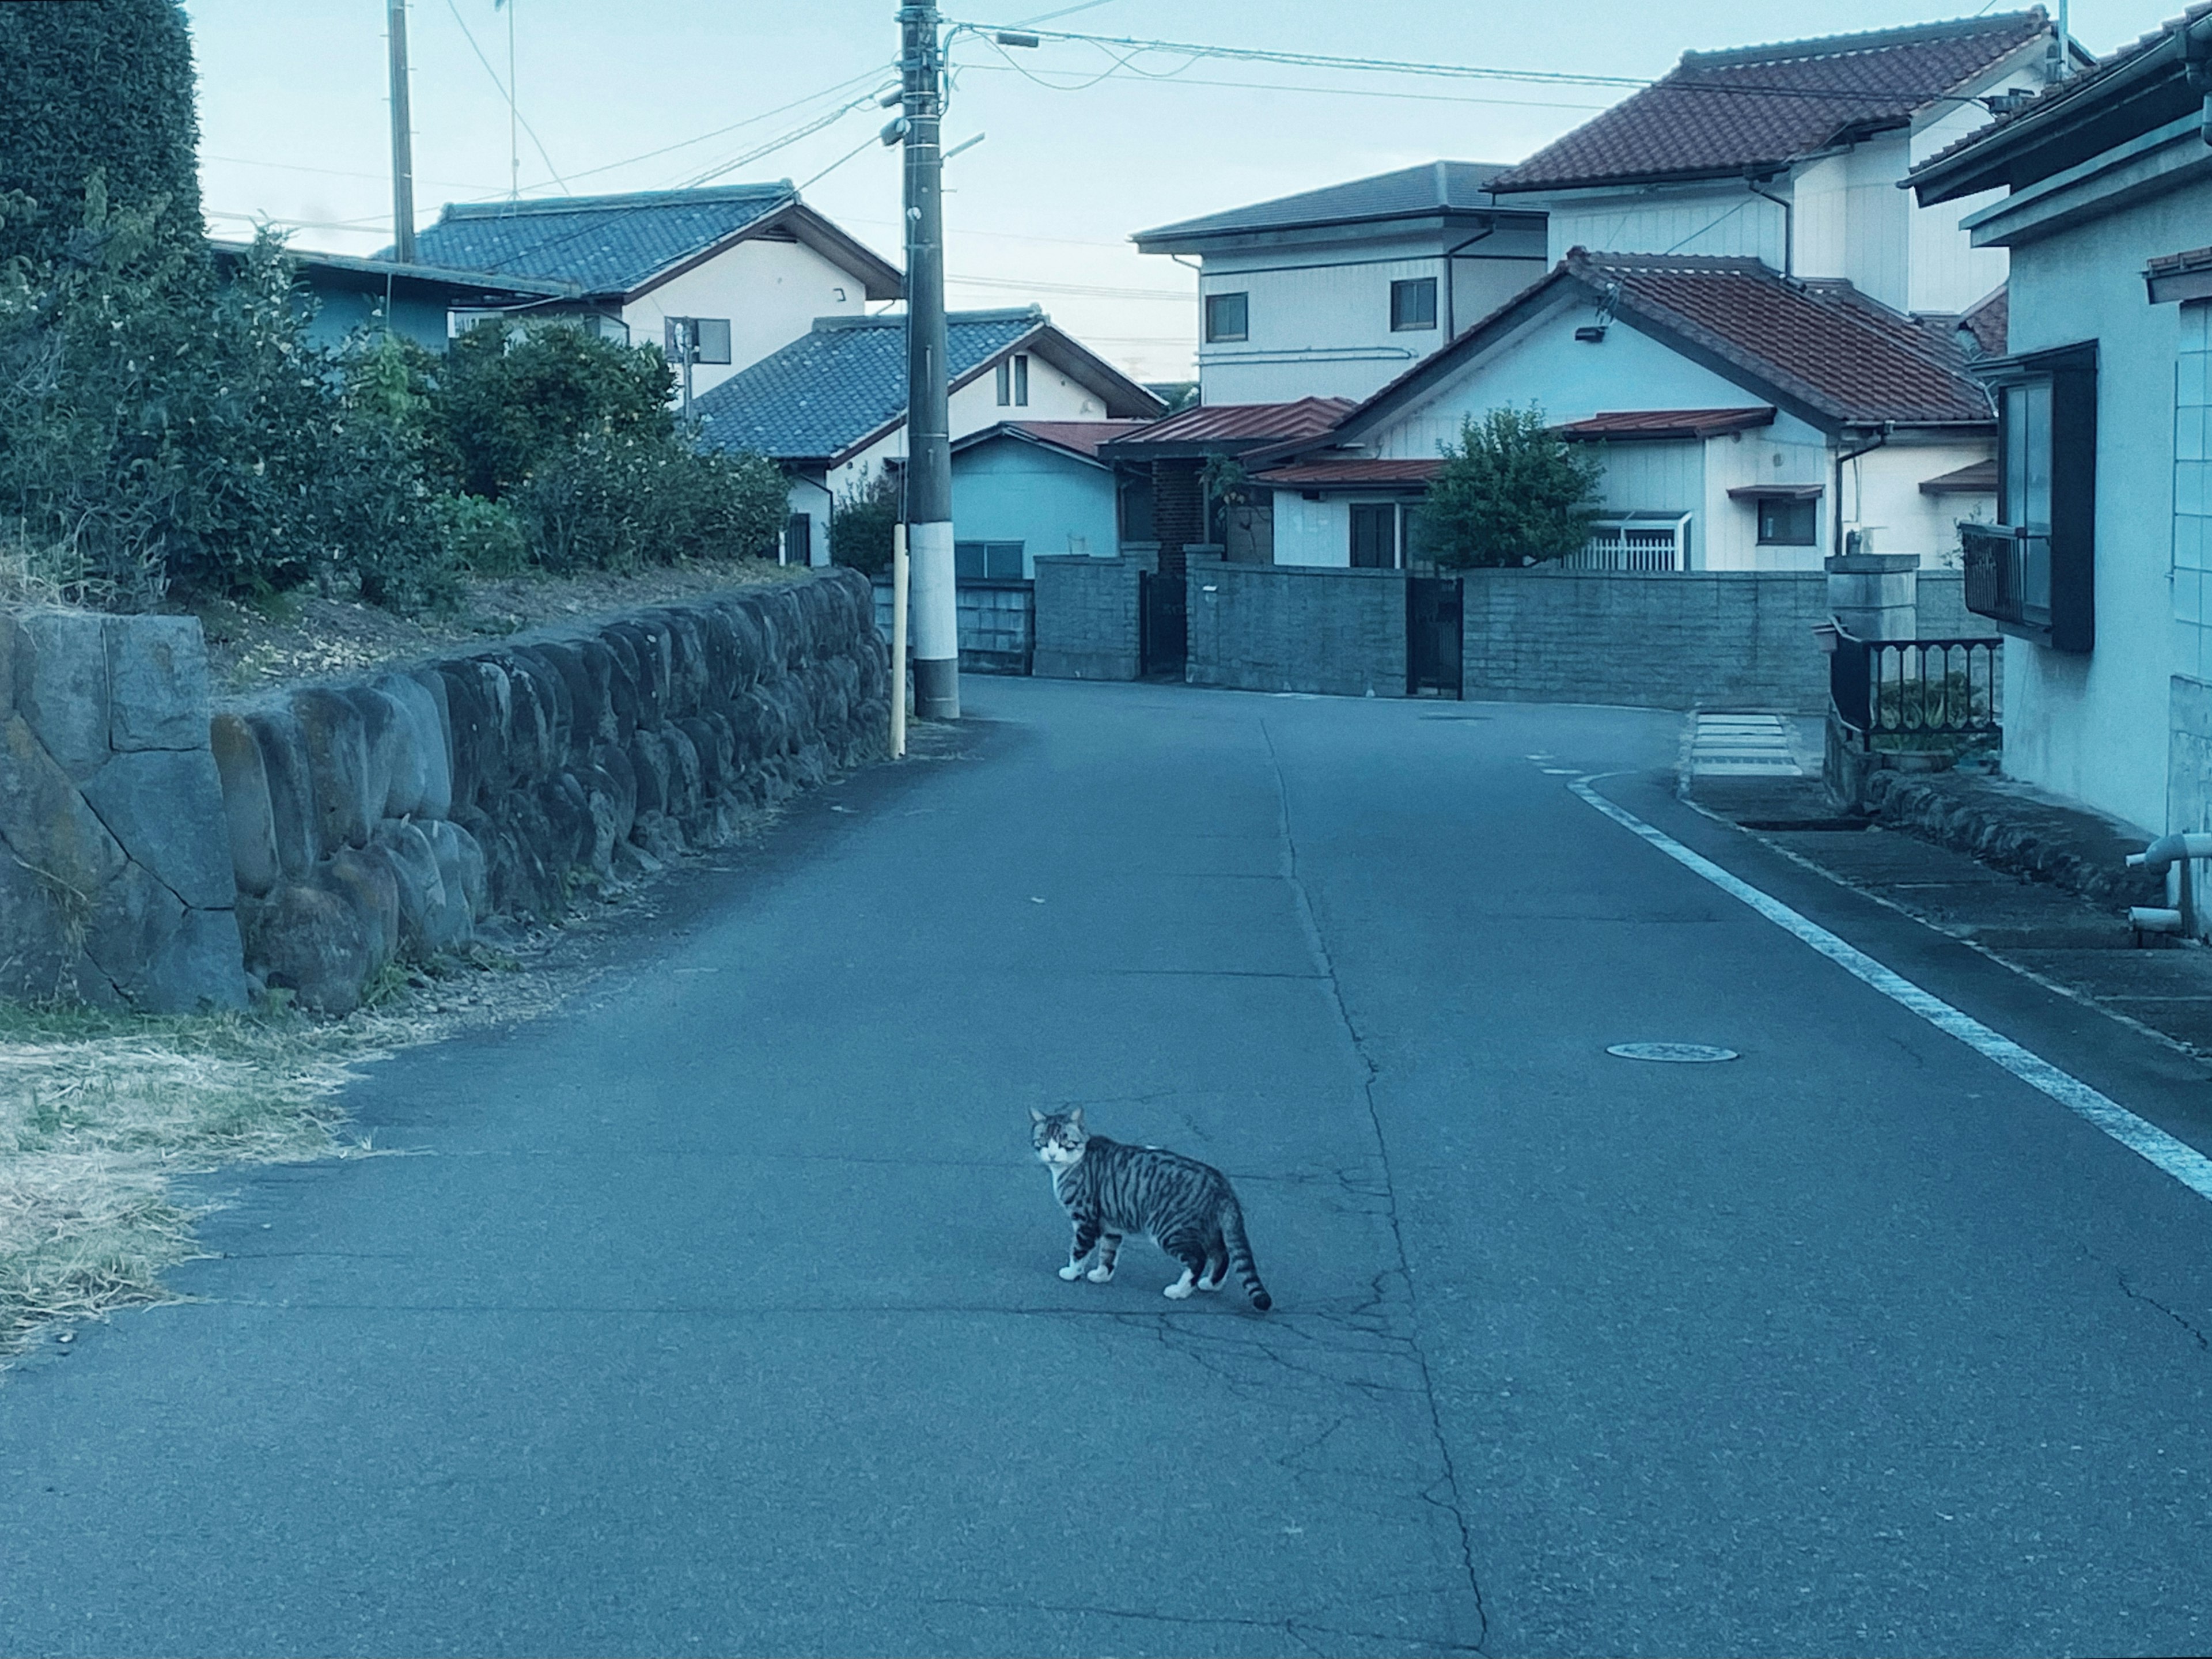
507,93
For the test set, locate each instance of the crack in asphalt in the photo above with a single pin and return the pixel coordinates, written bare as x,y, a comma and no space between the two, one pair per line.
1297,1629
1450,1501
2135,1295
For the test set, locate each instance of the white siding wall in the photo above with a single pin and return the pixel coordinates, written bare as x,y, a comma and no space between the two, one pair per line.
1852,220
771,292
1726,219
2095,727
1544,364
1949,273
1318,320
1053,397
1312,533
812,498
1787,453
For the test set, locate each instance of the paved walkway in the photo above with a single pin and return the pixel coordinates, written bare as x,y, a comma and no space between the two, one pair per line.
717,1313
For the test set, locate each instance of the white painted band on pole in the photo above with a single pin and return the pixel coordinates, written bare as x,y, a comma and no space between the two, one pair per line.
2146,1140
936,607
898,642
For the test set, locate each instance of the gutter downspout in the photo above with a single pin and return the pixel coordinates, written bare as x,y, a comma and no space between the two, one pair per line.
1451,307
1836,537
1789,223
2197,67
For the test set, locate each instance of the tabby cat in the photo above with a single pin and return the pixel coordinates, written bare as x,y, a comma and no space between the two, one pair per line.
1110,1190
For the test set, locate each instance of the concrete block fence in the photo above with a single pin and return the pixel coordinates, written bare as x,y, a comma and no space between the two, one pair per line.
996,629
1086,618
165,855
115,884
1287,628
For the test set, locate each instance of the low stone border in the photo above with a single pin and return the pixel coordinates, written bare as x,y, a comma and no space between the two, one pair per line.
2006,826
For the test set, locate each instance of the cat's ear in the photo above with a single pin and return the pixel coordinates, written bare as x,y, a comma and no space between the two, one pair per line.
1075,1116
1036,1116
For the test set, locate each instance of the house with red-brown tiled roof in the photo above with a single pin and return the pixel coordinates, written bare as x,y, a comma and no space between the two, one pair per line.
1792,155
1748,421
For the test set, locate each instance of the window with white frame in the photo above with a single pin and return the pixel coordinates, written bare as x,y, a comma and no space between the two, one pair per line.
1013,381
2192,479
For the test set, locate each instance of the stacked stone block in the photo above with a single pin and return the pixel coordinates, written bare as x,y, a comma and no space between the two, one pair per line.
115,883
385,818
993,619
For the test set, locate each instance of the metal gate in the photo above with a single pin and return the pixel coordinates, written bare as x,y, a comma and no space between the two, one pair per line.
1163,622
1434,614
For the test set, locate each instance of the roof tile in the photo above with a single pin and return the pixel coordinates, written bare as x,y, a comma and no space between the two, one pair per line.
1409,193
1719,113
832,386
603,244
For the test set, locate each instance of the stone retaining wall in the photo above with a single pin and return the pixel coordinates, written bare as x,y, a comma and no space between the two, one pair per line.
115,883
386,817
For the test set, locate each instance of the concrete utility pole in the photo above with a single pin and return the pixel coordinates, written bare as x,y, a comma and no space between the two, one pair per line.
403,142
928,422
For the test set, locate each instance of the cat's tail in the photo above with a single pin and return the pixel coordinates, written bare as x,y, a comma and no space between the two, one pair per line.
1240,1255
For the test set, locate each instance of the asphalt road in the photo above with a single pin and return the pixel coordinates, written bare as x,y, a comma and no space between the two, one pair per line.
719,1315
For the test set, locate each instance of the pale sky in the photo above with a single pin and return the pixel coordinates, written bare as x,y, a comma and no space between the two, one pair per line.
1083,146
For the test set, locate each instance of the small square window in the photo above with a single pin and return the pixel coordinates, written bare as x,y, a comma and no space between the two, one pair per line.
1786,522
1413,304
706,339
1228,317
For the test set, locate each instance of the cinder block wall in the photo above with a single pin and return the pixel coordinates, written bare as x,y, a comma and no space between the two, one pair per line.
386,817
1941,603
995,617
1086,618
1286,627
115,882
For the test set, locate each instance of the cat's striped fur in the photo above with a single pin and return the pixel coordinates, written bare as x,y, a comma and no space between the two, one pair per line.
1110,1191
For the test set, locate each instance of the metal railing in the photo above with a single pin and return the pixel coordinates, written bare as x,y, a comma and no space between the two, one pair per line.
2008,573
1913,688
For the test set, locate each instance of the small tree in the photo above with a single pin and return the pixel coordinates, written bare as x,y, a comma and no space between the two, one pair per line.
861,523
1512,492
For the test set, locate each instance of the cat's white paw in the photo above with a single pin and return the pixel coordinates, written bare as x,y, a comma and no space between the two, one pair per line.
1179,1290
1073,1270
1209,1285
1099,1275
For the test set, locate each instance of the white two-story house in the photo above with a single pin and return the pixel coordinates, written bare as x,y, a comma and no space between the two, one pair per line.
1793,155
1331,292
735,272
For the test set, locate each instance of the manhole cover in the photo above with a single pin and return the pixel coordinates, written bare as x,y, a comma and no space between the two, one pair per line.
1677,1051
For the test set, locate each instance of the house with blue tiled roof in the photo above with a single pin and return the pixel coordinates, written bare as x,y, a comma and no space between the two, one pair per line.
733,272
830,406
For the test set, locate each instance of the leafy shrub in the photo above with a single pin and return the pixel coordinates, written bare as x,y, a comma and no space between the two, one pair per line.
481,535
1512,492
510,403
618,500
861,523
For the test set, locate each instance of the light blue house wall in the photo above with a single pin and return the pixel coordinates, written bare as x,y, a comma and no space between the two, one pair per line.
1009,489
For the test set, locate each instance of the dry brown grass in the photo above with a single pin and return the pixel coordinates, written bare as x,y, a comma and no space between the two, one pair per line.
101,1114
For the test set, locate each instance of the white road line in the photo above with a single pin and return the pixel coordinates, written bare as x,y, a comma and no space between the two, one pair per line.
2176,1158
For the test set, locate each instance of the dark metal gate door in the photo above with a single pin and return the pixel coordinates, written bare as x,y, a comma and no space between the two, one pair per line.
1433,634
1163,622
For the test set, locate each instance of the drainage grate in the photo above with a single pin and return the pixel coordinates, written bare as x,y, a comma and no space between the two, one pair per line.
1678,1052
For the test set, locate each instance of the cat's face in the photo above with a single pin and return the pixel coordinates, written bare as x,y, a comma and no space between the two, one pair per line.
1057,1137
